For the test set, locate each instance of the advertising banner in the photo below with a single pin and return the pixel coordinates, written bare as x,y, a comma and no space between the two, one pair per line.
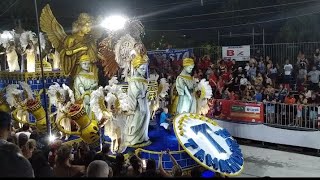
238,53
240,111
170,54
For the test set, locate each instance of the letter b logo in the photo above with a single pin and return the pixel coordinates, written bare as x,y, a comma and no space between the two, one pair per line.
230,52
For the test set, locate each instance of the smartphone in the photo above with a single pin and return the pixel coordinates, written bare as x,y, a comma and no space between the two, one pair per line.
144,163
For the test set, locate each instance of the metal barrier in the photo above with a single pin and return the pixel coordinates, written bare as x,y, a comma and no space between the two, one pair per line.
292,115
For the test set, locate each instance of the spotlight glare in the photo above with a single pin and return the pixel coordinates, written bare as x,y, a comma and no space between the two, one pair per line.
52,138
114,23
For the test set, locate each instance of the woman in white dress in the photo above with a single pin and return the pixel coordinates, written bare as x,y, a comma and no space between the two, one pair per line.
137,124
12,57
31,57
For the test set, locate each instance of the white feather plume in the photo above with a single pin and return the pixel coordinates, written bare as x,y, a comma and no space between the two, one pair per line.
95,98
25,37
11,91
205,89
42,41
153,77
6,37
27,88
70,92
52,93
164,87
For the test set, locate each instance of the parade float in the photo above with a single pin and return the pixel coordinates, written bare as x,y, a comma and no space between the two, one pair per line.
119,113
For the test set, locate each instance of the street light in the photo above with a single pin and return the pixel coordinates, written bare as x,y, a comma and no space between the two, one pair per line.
114,23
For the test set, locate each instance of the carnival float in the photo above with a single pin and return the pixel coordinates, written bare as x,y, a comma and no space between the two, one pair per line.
119,112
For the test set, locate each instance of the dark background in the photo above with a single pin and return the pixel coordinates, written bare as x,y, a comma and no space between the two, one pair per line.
186,23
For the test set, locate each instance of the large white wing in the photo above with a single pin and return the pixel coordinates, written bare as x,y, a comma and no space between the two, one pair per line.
28,89
163,87
70,92
52,93
205,89
97,103
11,91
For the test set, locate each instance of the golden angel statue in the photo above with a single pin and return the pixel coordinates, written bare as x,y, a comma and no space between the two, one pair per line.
112,115
62,98
71,47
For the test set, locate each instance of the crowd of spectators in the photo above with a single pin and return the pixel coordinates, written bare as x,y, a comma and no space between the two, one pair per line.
26,153
261,79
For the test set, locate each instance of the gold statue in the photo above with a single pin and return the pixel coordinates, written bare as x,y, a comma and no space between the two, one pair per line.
71,47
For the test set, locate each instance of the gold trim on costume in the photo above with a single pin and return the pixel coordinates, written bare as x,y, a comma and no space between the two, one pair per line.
186,77
139,79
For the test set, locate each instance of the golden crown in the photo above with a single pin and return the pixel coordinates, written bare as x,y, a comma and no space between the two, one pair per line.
84,58
187,62
138,61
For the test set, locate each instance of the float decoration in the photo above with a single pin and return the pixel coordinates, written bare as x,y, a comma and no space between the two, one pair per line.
208,144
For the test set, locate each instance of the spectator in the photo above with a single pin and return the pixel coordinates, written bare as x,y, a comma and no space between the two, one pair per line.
135,168
252,72
290,99
258,96
5,127
12,162
176,170
273,73
118,167
316,58
314,78
28,148
104,155
22,140
40,165
25,130
287,73
151,169
302,61
99,168
63,167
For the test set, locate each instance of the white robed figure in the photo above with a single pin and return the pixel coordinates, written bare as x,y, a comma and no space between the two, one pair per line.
137,124
185,85
85,82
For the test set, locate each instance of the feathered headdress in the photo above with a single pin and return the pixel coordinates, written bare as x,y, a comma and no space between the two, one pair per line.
12,93
163,87
68,92
54,94
27,90
6,37
27,36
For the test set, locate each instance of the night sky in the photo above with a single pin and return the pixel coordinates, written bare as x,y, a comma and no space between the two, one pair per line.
186,20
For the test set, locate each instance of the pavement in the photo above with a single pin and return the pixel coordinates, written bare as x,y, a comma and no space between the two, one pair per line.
261,162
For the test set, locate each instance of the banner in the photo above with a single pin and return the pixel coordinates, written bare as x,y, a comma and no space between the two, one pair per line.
240,111
238,53
170,54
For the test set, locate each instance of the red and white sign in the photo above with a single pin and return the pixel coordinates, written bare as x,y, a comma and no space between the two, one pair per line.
239,53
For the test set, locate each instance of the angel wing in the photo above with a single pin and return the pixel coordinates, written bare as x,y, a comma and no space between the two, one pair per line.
107,58
52,93
27,89
163,87
11,91
97,103
70,92
52,28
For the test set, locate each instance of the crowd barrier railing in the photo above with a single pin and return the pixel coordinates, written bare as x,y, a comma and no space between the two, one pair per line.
289,116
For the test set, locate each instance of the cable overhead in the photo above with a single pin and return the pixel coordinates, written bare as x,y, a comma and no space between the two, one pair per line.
236,25
223,12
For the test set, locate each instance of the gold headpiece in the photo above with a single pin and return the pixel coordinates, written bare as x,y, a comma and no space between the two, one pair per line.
187,62
84,58
138,61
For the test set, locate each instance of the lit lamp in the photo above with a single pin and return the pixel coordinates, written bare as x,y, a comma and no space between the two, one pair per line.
114,23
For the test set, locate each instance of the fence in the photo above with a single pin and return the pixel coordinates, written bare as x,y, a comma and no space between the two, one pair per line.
277,52
292,115
288,116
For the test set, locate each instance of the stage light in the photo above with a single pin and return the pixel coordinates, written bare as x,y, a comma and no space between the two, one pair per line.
114,23
52,138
